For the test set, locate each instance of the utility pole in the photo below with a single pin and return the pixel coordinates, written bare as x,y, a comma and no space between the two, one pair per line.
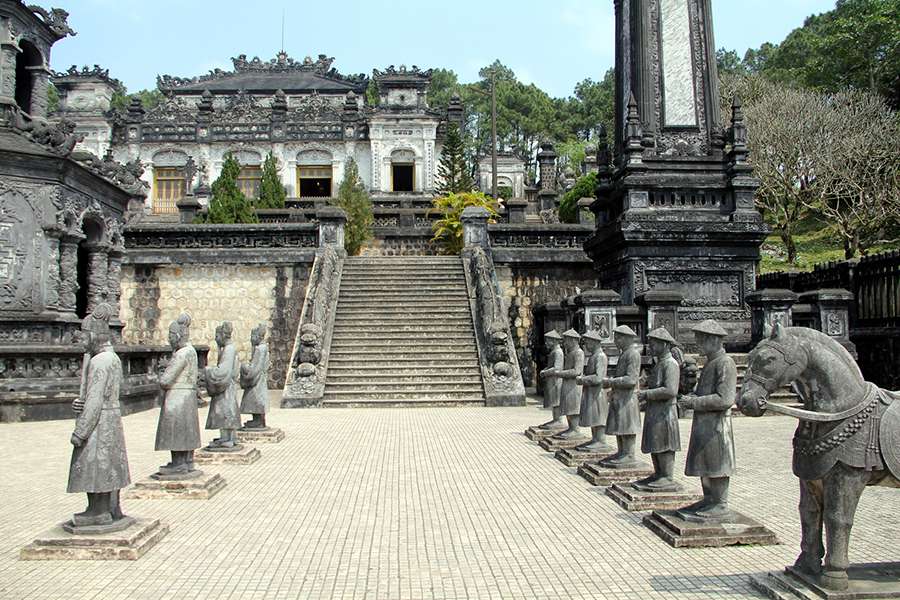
494,134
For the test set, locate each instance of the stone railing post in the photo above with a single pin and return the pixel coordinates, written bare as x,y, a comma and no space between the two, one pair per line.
768,307
661,308
515,210
188,207
598,313
331,227
475,234
831,314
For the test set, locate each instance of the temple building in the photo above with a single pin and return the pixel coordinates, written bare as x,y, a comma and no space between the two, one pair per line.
308,115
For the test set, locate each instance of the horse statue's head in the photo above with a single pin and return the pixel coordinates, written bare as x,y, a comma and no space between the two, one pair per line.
776,361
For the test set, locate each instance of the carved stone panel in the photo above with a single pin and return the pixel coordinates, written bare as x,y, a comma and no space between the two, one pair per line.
677,69
21,251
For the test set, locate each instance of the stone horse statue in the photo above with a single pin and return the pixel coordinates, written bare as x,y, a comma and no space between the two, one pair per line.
848,437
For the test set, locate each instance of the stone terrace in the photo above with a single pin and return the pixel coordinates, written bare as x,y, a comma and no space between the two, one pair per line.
404,503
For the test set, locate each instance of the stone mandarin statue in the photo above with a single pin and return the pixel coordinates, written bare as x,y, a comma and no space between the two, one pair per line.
255,382
552,381
178,430
624,419
661,439
710,454
221,382
594,405
570,391
99,466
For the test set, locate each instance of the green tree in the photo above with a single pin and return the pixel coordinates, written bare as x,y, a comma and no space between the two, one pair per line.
448,229
121,99
52,99
453,170
356,203
228,204
444,83
583,188
372,97
271,191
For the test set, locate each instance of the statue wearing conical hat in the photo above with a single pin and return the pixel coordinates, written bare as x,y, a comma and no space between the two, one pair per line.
551,379
661,439
221,382
255,381
570,390
624,419
594,404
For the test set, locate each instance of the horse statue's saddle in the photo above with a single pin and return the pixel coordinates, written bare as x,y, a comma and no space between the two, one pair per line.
889,432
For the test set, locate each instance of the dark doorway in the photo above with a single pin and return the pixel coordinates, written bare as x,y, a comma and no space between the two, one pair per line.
81,296
28,57
319,187
403,178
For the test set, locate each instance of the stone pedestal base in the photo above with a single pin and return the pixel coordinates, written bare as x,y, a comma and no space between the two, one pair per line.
265,435
597,475
239,455
128,544
200,487
873,580
633,499
552,444
574,458
536,434
680,533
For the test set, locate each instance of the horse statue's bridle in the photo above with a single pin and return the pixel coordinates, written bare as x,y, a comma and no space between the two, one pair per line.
771,385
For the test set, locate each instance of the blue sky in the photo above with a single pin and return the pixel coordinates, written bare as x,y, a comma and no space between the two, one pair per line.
554,44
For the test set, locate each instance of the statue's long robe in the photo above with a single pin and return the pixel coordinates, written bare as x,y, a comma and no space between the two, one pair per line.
624,414
553,383
570,392
661,414
711,449
594,405
179,424
221,382
100,464
255,381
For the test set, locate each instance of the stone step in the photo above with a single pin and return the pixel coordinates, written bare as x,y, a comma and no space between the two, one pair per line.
368,349
418,363
458,305
431,394
393,385
418,260
375,325
348,373
352,355
393,320
377,333
416,402
384,289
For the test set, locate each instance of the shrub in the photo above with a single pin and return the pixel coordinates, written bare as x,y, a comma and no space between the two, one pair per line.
355,201
448,230
583,188
228,204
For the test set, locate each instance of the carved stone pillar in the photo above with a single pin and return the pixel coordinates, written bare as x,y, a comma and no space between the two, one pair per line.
68,271
113,274
98,275
661,309
8,51
474,221
331,227
597,311
831,310
52,234
40,80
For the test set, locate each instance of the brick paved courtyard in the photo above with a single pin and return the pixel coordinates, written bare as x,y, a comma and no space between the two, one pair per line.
404,503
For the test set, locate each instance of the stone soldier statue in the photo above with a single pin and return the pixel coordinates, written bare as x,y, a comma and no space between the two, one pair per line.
624,419
710,454
221,382
99,465
594,405
661,439
178,430
255,382
570,391
552,381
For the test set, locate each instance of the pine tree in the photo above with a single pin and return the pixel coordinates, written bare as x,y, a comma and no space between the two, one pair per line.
228,204
271,192
355,201
453,171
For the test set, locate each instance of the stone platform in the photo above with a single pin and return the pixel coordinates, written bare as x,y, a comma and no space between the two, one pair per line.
574,458
680,533
201,487
597,475
632,499
872,580
552,444
243,455
128,544
265,435
536,434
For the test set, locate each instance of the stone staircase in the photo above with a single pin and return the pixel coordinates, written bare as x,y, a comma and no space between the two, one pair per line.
403,335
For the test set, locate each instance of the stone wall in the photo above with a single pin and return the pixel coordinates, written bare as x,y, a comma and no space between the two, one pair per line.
525,286
154,295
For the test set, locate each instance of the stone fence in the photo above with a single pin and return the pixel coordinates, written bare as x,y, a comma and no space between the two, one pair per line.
855,301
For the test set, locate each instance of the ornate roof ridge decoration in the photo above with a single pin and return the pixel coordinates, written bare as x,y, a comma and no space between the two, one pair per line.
97,72
57,138
413,72
172,109
282,63
55,19
315,107
242,107
126,176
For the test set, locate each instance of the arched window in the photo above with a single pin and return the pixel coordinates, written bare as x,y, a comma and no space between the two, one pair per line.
403,170
314,174
30,56
251,172
168,181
